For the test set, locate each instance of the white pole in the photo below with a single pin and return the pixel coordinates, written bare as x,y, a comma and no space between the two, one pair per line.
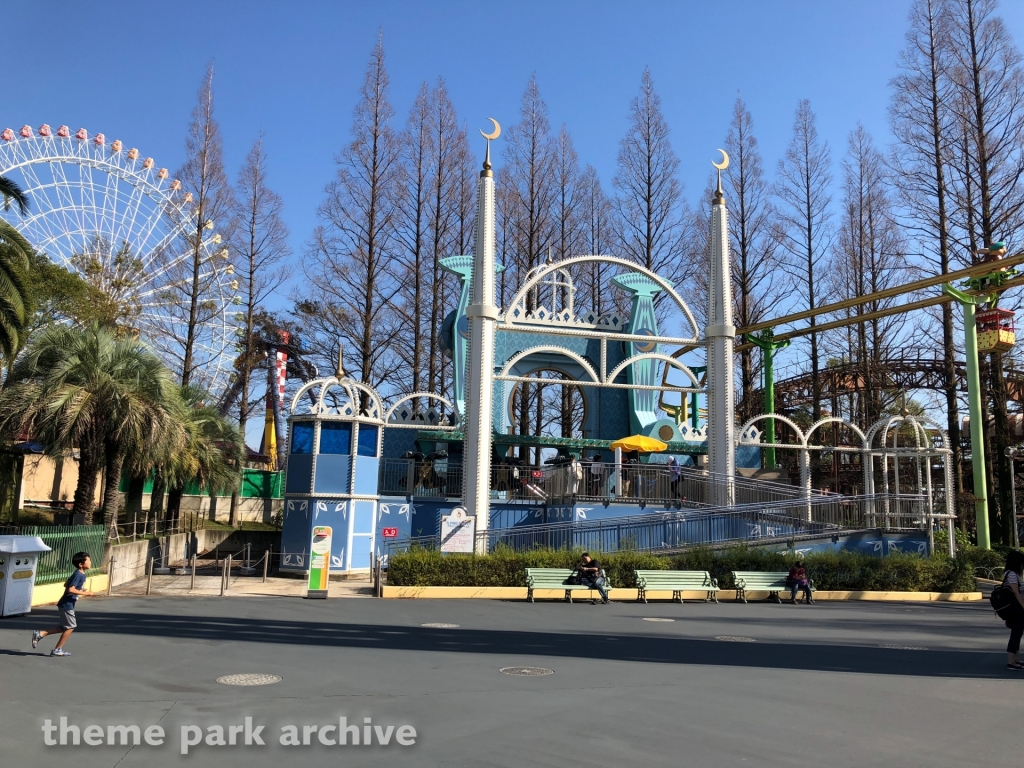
482,314
720,335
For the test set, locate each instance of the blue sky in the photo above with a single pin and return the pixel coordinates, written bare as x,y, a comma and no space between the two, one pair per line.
293,70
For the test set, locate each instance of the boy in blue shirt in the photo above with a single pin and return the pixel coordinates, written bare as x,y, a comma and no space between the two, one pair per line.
73,589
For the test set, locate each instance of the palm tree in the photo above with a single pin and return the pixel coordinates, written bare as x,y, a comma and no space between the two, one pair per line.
88,389
144,420
10,191
212,452
14,259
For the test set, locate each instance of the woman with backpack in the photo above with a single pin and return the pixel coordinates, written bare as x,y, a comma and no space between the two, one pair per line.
1013,578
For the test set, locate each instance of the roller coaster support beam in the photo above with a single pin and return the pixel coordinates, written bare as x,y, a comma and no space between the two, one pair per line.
977,270
769,346
970,304
686,411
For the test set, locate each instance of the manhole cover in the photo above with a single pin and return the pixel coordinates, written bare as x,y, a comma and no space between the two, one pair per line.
439,625
898,647
249,679
657,619
526,671
735,639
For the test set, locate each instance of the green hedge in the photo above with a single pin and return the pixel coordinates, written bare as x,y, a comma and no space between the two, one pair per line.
830,570
420,567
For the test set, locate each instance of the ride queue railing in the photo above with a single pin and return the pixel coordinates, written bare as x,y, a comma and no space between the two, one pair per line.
587,481
677,530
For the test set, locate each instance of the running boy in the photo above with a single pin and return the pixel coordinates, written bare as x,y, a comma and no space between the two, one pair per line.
73,589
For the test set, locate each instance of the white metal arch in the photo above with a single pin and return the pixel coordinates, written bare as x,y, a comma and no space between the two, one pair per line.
519,356
352,389
519,299
668,359
836,420
428,395
785,420
921,450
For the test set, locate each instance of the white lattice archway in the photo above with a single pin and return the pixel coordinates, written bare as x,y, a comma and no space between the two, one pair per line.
358,400
406,418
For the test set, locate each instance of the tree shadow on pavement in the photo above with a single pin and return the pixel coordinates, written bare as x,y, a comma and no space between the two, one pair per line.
604,645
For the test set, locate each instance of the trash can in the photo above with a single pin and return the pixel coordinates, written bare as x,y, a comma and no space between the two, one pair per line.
19,559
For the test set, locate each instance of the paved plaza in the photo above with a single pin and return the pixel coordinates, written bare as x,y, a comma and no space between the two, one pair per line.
840,684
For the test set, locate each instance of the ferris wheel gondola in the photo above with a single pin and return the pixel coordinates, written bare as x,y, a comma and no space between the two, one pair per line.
111,215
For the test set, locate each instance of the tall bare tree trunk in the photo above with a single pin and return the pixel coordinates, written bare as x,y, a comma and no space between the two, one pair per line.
803,232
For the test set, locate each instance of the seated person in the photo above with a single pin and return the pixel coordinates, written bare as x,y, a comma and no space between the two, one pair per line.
992,252
590,574
797,579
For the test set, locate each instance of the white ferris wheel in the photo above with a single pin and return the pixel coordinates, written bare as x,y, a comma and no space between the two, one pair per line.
109,214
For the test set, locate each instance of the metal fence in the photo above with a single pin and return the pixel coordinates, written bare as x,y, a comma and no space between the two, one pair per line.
643,484
149,527
660,484
428,479
442,479
64,541
678,530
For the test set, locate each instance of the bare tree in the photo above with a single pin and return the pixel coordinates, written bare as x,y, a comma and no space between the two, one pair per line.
203,176
803,232
530,160
419,154
261,246
598,233
193,304
654,218
505,211
754,273
463,228
352,282
870,257
530,178
920,118
450,172
988,87
568,197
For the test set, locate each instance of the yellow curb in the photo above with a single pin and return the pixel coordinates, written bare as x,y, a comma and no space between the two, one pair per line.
908,597
623,594
48,594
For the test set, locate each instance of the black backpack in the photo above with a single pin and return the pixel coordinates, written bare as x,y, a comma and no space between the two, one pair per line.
1005,603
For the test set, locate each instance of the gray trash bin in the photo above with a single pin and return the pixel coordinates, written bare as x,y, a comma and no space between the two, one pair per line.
19,560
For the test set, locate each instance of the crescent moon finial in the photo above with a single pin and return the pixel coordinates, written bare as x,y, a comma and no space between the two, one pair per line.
719,195
495,133
490,137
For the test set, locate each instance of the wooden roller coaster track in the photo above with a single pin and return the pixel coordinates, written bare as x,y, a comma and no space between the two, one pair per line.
905,372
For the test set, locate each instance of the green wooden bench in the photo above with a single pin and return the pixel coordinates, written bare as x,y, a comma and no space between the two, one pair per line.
678,582
554,578
771,582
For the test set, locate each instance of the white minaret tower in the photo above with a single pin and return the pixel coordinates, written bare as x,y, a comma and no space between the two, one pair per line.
482,314
721,336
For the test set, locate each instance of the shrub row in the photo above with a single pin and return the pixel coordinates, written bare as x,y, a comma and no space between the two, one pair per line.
830,570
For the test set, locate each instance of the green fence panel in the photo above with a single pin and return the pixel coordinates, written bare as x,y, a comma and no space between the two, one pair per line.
256,483
261,484
64,541
125,481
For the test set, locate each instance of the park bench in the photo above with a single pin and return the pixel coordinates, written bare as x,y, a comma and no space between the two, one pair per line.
771,582
678,582
553,578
